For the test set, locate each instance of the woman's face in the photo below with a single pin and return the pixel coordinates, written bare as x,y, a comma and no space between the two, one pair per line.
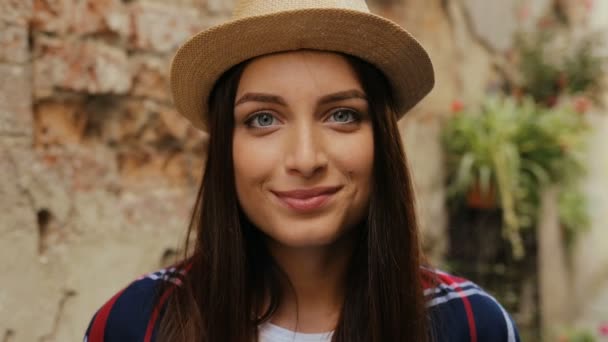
303,147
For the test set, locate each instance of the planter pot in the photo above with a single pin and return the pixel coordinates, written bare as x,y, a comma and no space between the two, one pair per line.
478,199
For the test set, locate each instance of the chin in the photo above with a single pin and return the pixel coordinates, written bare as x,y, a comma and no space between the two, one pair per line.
296,241
305,234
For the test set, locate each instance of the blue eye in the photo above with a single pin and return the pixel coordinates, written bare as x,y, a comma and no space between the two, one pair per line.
261,120
344,116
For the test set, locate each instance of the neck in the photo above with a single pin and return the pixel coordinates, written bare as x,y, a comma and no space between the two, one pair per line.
313,291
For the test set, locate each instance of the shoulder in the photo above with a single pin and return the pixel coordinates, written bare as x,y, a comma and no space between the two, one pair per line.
132,313
462,311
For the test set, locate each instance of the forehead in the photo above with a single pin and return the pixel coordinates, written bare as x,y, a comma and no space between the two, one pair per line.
300,71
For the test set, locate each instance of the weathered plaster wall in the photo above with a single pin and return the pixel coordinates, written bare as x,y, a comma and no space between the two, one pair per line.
580,290
99,173
590,266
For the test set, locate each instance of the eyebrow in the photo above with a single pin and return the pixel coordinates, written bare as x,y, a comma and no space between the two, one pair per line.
335,97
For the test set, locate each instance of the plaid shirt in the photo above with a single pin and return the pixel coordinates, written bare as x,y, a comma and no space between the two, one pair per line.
460,311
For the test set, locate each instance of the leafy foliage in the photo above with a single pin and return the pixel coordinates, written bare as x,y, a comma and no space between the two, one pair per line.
518,148
579,335
552,65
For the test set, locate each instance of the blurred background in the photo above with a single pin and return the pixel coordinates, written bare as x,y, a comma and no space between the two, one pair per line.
99,173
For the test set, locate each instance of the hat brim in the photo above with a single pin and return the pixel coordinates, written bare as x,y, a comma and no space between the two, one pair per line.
200,62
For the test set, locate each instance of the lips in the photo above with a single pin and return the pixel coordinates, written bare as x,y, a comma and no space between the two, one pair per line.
304,200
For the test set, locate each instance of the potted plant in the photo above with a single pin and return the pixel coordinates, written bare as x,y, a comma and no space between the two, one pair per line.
505,152
552,65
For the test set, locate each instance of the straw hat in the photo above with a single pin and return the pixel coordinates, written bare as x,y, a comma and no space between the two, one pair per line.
261,27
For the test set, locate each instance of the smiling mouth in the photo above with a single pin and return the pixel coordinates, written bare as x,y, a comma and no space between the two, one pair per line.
305,200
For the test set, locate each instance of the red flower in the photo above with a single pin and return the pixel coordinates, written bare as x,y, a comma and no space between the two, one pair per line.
604,329
457,106
582,104
523,13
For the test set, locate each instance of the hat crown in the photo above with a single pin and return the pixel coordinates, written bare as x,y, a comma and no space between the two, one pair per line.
250,8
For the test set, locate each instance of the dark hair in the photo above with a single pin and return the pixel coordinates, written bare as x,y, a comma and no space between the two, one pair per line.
231,272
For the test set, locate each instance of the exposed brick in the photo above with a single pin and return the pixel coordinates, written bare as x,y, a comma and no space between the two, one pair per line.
14,43
141,165
144,166
59,123
86,66
15,100
99,16
123,123
150,78
162,28
52,15
142,124
81,17
16,12
129,123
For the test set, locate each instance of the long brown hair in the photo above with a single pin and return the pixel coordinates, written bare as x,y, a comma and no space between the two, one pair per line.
231,272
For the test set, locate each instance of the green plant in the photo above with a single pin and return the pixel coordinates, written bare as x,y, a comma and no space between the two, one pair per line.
516,149
552,65
577,335
572,212
584,67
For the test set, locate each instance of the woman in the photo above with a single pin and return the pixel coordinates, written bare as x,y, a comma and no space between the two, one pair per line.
305,226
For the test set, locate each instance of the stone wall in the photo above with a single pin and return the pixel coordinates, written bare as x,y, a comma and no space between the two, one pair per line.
100,173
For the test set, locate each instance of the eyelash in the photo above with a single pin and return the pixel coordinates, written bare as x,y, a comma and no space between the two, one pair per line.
356,117
252,117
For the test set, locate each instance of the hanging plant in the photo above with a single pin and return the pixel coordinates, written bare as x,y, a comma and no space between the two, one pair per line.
552,65
504,153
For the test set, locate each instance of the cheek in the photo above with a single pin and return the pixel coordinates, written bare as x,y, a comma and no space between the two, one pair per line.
354,159
255,161
354,156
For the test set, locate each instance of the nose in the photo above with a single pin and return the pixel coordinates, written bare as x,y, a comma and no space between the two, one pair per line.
305,152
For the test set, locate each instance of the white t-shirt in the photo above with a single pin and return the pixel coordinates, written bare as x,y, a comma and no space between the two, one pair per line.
273,333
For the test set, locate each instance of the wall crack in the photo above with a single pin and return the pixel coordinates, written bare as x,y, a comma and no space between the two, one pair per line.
67,295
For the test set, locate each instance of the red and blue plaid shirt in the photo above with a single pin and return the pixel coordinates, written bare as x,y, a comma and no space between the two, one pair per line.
460,311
